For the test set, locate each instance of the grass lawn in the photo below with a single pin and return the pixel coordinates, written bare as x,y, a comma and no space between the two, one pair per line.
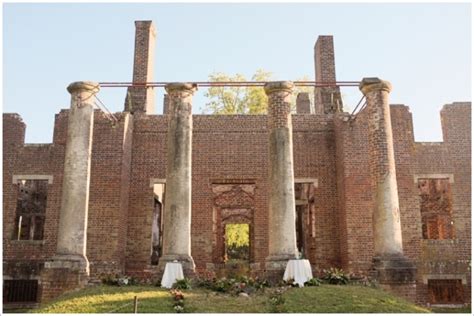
451,310
322,299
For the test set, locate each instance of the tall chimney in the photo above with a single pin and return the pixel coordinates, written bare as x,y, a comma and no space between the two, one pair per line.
326,99
142,99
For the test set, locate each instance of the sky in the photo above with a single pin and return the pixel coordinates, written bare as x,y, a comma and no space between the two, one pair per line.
424,50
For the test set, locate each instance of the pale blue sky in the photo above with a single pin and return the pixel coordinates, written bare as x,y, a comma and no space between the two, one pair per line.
424,50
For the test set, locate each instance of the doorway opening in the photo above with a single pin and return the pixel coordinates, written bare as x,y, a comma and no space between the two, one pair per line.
305,216
157,223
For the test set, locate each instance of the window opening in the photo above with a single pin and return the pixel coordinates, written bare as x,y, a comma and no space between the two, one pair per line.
31,209
20,291
445,291
157,223
436,208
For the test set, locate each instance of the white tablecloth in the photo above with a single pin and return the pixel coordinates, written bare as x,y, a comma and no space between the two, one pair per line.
298,270
173,272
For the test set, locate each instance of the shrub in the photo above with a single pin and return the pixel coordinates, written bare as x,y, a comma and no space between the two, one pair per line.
232,285
205,280
183,284
313,282
277,300
335,276
119,280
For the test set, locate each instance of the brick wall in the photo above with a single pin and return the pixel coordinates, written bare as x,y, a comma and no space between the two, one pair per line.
233,149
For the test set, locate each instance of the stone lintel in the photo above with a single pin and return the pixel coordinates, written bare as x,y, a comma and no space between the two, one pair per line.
279,86
449,176
154,181
19,177
451,276
368,85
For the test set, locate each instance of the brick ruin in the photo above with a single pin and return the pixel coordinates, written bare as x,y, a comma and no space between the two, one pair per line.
355,193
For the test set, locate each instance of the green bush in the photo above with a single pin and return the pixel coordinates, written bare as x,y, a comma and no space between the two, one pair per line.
119,280
335,276
232,285
183,284
313,282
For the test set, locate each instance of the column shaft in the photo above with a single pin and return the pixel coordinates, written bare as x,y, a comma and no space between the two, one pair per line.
386,216
72,233
177,206
282,231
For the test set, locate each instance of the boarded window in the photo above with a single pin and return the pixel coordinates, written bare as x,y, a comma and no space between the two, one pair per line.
445,291
436,208
31,209
20,291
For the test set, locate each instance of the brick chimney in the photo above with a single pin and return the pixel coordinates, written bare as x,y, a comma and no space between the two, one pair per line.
141,99
303,103
326,99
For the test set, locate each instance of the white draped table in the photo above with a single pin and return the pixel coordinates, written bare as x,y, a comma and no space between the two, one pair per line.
173,272
298,270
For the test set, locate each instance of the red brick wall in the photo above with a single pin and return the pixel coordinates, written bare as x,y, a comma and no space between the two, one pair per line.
29,159
234,149
108,200
354,193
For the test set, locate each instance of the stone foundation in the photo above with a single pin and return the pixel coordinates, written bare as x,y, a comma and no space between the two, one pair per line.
62,275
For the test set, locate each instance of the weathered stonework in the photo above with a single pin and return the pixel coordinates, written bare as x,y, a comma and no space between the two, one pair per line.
282,233
177,209
391,266
69,267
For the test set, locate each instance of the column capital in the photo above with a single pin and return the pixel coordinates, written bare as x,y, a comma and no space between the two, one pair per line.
368,85
278,86
83,86
176,87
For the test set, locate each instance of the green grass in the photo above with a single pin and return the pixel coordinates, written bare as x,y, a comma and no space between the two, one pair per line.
452,310
345,299
103,299
322,299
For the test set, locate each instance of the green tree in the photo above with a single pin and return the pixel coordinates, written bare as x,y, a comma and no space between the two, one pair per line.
236,100
237,235
242,100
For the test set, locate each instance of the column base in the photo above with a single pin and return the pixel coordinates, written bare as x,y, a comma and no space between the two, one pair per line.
396,274
186,261
278,262
63,273
275,266
394,269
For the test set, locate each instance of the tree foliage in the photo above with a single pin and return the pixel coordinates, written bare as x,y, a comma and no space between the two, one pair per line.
243,100
237,235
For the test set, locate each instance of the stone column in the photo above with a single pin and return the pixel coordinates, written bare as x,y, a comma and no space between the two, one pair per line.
72,232
389,259
177,206
69,267
282,231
